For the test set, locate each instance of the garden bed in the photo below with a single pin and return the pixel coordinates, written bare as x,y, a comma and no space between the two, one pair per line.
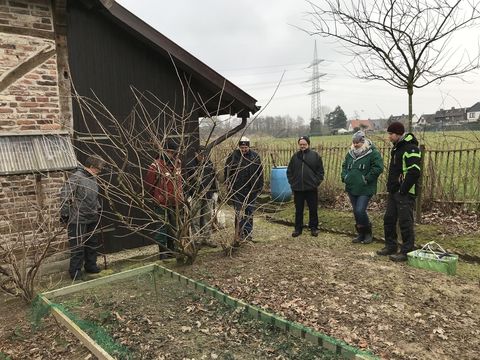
153,313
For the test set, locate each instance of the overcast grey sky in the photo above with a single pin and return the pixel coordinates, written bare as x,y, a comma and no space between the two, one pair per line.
252,42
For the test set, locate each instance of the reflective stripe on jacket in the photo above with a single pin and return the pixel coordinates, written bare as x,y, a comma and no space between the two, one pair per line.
404,169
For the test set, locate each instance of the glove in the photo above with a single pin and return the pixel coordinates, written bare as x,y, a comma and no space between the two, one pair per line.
215,196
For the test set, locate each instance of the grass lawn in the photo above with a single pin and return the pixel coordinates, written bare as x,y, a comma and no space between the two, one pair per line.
343,221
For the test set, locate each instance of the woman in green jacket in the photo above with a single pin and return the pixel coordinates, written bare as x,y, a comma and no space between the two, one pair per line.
360,171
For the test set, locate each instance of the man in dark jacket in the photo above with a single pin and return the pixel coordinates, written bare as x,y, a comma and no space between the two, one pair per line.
79,210
202,192
244,179
305,173
402,184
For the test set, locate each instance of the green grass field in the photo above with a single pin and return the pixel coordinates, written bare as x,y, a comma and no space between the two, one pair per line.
451,161
432,140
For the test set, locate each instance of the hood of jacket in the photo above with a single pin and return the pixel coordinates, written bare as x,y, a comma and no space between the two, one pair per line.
407,138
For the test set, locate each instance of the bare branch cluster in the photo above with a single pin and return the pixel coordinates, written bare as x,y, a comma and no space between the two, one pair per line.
400,42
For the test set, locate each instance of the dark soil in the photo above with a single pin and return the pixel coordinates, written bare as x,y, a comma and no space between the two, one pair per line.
327,283
175,322
348,292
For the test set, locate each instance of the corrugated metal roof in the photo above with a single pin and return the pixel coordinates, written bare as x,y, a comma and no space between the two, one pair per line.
23,154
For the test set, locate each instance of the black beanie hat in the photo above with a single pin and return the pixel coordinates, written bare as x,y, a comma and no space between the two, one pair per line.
170,145
396,128
306,138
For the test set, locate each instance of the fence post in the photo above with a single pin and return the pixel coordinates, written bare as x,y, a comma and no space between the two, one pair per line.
418,212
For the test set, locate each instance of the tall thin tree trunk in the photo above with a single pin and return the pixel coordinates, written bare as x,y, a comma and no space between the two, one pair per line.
410,107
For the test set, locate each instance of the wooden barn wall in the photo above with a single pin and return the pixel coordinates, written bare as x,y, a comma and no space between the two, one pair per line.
106,61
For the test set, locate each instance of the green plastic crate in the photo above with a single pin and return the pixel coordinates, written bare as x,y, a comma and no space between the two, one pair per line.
433,257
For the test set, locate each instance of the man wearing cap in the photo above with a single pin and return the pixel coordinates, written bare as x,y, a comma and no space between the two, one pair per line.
163,182
244,179
80,211
402,187
305,173
202,192
361,168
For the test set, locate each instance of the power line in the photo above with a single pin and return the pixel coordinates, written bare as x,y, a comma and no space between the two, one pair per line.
262,67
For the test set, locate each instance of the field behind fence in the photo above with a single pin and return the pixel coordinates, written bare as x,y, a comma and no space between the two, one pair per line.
451,172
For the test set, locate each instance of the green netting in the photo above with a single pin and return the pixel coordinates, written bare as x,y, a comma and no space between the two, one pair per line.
102,338
40,309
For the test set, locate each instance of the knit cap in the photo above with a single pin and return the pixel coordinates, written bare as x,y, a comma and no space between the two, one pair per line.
358,137
396,128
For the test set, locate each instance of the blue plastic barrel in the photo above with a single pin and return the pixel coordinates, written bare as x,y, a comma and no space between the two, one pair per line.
279,185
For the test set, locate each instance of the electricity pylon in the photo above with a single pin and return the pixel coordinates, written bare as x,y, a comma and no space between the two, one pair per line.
316,90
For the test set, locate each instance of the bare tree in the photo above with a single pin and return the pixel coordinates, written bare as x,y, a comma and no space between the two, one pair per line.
131,148
406,43
26,242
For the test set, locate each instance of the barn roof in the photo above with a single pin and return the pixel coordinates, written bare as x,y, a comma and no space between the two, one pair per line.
241,102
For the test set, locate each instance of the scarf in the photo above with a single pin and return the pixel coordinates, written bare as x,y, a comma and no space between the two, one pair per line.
362,151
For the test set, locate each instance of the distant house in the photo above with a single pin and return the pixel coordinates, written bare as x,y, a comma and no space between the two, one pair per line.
473,113
425,120
451,116
379,124
359,124
403,119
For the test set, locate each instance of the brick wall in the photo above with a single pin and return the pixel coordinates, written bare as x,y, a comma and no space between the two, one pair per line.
29,205
30,96
31,100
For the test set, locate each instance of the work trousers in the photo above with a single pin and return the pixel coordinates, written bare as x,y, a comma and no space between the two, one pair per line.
83,248
399,208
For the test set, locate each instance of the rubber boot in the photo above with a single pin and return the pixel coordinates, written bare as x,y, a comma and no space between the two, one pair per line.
367,236
360,235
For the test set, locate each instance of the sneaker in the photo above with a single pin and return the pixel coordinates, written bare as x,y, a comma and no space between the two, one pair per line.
387,251
296,233
398,257
314,232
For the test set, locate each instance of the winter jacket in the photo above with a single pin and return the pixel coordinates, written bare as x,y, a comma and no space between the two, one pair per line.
404,169
164,181
244,173
200,178
360,173
79,199
305,171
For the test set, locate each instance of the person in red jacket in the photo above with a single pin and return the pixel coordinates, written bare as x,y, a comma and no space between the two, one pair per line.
163,181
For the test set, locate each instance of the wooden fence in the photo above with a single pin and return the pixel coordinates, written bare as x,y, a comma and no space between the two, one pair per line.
450,174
